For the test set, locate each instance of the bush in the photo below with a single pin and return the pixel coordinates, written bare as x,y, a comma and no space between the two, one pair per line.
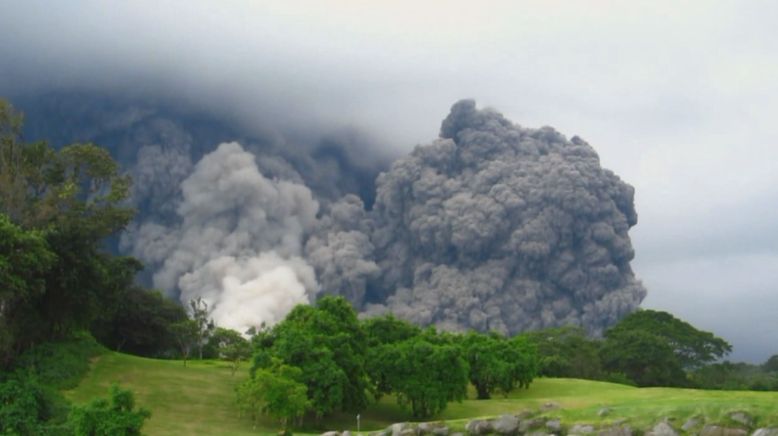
60,365
22,406
103,418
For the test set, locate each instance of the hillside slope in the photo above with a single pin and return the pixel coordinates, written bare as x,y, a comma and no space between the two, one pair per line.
199,399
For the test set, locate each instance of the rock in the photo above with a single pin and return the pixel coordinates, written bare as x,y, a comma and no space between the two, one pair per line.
662,429
742,418
479,427
524,414
549,406
538,433
409,432
616,430
425,427
770,431
457,434
331,433
506,424
715,430
379,433
605,411
433,428
529,424
581,429
554,425
691,423
398,428
346,433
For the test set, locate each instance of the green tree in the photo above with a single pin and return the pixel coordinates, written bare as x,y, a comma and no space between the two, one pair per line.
645,358
21,177
567,352
117,417
429,376
327,343
381,331
75,197
487,367
295,344
140,324
523,355
23,406
498,364
25,258
77,186
654,348
230,346
771,364
186,333
692,347
424,376
200,315
388,329
275,391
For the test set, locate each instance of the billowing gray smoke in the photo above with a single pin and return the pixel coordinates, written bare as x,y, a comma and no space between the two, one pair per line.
491,226
238,243
496,227
341,250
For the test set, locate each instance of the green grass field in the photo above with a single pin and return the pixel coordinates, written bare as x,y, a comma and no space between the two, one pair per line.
199,399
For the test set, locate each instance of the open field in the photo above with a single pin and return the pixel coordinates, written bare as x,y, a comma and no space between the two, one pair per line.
199,399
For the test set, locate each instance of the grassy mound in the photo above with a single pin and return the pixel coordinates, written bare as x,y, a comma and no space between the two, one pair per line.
199,399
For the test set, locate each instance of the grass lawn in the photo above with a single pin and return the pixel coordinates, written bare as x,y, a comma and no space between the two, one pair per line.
199,399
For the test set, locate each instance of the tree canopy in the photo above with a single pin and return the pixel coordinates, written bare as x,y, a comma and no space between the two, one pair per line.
498,364
277,391
56,208
25,258
654,348
692,347
327,344
567,352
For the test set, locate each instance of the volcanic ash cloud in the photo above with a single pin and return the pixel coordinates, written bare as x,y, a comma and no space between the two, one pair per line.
238,243
498,227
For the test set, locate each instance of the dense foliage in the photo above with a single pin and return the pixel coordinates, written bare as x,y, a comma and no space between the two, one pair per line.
228,345
654,348
27,407
141,324
328,345
24,259
646,348
343,362
115,417
737,376
567,352
277,391
29,390
424,375
497,363
57,207
57,282
691,347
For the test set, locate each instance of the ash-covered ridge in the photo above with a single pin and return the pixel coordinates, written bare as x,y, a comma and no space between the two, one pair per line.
497,227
